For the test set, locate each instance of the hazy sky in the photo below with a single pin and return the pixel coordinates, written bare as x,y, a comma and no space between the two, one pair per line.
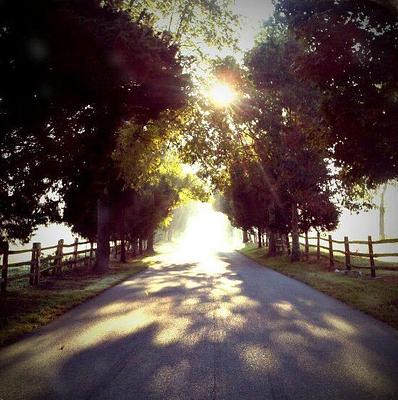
254,12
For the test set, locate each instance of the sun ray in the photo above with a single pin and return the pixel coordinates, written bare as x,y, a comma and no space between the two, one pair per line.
222,94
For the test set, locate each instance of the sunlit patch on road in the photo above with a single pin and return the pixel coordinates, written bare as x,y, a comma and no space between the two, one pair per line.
257,357
188,321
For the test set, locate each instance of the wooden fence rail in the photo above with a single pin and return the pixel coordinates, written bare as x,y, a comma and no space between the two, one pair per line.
50,264
348,254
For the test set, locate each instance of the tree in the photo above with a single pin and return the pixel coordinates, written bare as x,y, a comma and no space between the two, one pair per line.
191,25
55,56
350,52
149,208
258,152
285,119
382,211
300,185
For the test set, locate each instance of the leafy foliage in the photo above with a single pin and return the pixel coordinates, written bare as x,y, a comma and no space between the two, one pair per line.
351,53
192,23
261,152
73,73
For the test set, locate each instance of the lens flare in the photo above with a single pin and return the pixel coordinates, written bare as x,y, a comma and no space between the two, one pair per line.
222,94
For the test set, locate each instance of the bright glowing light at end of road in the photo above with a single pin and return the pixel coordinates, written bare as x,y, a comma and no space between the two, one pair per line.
207,232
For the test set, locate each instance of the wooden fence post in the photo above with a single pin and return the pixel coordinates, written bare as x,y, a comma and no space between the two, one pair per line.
59,255
347,253
318,246
32,265
371,258
307,247
4,268
37,247
75,247
331,260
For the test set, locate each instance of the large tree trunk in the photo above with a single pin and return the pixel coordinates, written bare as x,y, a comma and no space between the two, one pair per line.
245,236
123,240
382,212
103,237
140,247
295,255
151,239
272,244
123,249
259,238
134,246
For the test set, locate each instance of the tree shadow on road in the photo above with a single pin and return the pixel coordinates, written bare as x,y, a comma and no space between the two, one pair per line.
207,330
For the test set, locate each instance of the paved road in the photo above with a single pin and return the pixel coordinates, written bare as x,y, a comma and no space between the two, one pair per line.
219,328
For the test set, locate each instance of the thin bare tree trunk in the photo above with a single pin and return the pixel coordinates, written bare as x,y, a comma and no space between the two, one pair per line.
272,233
245,236
123,238
151,238
382,212
259,238
182,20
134,247
295,255
123,249
171,16
103,236
140,247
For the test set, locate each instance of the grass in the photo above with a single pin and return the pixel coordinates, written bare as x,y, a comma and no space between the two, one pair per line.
377,297
25,308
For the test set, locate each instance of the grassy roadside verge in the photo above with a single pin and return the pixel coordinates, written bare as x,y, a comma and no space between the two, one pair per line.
378,297
24,308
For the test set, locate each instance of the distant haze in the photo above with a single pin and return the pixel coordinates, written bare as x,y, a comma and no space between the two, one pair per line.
367,223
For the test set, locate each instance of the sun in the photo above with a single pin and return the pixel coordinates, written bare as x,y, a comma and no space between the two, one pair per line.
222,94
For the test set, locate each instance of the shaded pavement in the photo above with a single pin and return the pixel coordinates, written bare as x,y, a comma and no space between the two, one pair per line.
216,327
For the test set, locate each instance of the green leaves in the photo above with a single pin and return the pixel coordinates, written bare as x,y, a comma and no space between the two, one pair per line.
192,23
350,53
72,73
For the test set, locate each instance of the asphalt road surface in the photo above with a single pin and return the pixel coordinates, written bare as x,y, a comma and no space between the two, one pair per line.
219,327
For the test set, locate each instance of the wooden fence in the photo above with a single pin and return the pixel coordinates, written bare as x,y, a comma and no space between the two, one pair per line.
63,255
348,254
